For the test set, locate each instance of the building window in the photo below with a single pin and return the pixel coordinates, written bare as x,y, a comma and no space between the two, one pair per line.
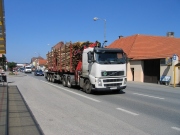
162,61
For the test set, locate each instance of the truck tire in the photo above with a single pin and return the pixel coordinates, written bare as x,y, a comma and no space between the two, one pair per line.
64,82
53,80
69,82
88,87
45,77
48,77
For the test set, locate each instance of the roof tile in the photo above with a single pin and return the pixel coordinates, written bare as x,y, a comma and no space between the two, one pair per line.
42,62
148,47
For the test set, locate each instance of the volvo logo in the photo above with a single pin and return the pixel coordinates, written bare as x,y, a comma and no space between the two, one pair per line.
104,73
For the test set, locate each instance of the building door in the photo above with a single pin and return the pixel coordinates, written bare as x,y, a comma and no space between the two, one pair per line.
132,71
152,71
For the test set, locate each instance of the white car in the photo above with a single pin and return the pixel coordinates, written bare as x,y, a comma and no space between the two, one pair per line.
27,69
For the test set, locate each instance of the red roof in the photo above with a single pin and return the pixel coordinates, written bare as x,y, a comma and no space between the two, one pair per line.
42,62
148,47
34,58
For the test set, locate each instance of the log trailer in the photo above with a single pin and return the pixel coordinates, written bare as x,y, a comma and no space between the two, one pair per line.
87,65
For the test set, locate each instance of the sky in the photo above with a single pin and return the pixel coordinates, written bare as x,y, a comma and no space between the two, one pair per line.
34,26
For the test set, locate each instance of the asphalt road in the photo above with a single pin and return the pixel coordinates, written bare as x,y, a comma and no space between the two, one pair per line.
141,109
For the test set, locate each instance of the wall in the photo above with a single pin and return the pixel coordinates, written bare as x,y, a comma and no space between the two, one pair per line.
169,71
138,71
129,73
166,71
178,75
174,62
41,67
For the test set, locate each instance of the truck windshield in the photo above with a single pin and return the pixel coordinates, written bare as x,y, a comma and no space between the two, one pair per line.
28,67
110,58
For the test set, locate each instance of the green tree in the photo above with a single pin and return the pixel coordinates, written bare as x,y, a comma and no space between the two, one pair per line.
11,65
3,61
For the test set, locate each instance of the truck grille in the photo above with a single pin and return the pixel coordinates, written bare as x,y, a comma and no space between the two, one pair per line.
112,80
112,84
112,73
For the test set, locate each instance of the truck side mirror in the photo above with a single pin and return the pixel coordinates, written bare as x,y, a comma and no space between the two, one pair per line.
89,54
125,57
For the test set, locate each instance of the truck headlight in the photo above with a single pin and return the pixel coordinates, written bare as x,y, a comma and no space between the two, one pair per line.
99,82
125,80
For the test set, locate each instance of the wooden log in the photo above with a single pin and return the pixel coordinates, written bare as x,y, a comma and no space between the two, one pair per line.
62,55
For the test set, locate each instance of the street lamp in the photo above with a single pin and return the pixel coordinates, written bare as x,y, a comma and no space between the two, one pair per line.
37,53
95,19
51,47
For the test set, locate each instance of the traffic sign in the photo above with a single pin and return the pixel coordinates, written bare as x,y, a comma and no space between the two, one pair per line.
174,57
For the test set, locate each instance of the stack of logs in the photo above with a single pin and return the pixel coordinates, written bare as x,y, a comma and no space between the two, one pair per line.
61,57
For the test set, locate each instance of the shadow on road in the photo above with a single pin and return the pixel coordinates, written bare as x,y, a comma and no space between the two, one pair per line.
108,93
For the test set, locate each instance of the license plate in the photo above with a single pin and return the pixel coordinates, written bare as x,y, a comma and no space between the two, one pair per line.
113,88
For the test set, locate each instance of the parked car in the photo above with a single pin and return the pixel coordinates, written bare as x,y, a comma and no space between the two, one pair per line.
38,72
21,69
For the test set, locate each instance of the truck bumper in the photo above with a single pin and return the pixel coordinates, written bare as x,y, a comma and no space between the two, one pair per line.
109,89
109,84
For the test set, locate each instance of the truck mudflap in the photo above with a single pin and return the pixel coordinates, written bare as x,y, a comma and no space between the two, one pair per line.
109,88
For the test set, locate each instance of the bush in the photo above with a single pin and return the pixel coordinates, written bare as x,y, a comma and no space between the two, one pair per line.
11,73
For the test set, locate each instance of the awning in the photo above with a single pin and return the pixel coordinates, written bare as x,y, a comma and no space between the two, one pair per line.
2,29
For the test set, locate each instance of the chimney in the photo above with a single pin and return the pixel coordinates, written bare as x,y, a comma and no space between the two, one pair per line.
170,34
120,37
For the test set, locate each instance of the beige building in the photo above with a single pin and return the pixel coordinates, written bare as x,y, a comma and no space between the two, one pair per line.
151,58
39,63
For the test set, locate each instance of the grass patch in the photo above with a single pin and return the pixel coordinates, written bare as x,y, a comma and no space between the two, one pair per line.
11,73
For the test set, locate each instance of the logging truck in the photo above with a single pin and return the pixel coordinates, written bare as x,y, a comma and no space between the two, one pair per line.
87,65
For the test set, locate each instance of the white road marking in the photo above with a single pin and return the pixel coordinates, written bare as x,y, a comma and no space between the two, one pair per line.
147,96
176,128
135,114
73,92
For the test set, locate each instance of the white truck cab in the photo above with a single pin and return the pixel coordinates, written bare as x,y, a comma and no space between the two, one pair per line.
103,69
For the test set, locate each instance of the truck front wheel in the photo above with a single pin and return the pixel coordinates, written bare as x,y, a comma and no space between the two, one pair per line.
88,87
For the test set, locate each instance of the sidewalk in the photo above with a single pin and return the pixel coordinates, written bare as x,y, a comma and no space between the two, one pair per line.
3,109
15,116
153,84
